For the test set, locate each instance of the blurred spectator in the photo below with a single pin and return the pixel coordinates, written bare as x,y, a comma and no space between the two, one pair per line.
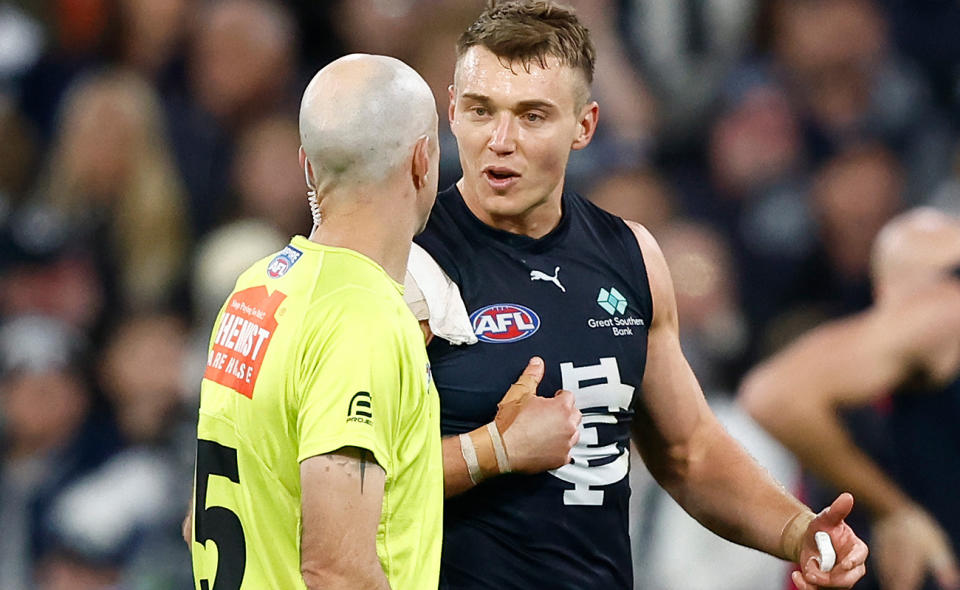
755,143
752,188
433,55
685,49
387,28
713,329
21,44
118,187
831,51
118,525
628,115
123,519
854,194
241,64
63,571
243,56
924,31
50,437
152,33
18,154
267,176
39,265
77,36
947,194
836,56
639,195
142,375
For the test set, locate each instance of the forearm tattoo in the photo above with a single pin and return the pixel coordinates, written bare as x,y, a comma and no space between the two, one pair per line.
363,466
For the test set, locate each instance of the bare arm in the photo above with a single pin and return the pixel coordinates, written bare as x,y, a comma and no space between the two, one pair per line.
846,363
342,498
709,474
796,395
852,362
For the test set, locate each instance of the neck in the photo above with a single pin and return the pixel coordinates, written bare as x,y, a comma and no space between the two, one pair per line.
536,221
370,230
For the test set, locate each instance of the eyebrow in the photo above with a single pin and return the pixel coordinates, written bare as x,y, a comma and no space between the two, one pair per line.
522,105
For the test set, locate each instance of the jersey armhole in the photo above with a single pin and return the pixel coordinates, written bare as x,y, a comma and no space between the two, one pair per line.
634,229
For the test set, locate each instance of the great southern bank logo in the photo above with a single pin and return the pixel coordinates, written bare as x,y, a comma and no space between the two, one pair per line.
612,301
504,322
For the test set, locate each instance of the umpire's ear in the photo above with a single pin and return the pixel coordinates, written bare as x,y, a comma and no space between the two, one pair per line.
420,166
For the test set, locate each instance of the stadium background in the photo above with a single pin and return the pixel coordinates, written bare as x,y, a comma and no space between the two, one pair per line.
148,154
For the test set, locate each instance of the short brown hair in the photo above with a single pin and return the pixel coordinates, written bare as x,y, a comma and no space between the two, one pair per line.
526,31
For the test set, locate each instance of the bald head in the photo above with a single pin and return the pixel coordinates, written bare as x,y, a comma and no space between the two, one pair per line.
360,118
913,248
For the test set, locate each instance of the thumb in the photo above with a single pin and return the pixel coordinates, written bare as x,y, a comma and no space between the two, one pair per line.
837,511
526,384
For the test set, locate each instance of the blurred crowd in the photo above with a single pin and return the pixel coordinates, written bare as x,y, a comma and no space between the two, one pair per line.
148,153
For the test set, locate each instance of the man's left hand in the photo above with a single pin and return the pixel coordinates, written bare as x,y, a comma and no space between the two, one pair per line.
851,551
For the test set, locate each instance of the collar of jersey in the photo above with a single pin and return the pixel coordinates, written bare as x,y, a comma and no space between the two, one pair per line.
307,244
517,240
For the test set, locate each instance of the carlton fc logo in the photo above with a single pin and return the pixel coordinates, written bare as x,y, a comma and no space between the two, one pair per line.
504,322
282,262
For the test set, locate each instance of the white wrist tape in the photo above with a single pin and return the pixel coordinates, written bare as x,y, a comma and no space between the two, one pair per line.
503,462
469,453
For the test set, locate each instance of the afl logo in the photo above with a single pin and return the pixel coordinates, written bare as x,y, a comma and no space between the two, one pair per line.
278,267
282,262
504,322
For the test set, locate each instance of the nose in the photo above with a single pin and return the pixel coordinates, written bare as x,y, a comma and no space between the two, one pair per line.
503,138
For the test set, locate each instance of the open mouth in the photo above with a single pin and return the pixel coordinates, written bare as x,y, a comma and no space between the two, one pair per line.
500,177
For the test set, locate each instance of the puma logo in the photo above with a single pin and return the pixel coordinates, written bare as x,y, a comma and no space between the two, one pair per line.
536,275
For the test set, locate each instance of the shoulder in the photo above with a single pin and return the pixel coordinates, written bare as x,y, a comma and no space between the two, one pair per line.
596,215
934,309
357,305
658,274
927,328
644,238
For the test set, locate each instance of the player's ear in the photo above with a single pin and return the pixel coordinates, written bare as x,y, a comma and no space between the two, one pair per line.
452,106
420,165
586,125
303,156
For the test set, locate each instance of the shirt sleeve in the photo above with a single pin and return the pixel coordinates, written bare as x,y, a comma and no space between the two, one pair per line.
350,377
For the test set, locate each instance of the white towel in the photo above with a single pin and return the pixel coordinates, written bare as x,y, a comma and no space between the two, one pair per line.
432,296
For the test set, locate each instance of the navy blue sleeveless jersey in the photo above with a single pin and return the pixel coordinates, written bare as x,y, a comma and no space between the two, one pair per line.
926,448
579,298
926,437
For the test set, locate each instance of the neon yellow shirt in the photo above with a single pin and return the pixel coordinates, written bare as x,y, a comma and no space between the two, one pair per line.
313,351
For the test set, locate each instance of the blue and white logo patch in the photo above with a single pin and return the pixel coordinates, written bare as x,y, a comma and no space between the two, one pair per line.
282,262
504,322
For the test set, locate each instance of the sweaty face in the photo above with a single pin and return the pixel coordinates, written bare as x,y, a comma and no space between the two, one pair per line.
515,129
